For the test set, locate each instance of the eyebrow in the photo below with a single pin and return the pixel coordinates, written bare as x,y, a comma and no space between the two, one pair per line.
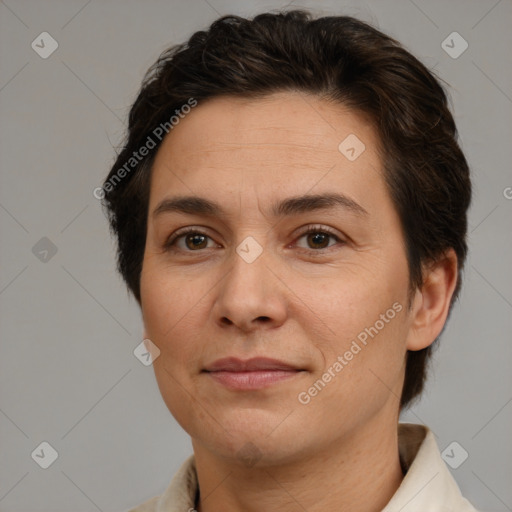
195,205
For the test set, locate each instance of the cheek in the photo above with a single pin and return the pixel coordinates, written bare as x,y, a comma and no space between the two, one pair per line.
351,299
360,317
362,361
170,308
171,305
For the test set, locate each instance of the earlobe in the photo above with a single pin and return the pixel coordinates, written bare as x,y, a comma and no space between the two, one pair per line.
431,303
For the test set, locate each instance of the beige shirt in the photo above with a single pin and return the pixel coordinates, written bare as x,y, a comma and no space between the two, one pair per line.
428,485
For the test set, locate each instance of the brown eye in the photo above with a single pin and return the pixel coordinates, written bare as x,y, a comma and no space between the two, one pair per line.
318,238
196,241
188,240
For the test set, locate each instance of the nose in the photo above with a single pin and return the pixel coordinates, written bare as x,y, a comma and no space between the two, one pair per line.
251,295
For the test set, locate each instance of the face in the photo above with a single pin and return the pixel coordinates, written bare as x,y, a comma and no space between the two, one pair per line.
294,252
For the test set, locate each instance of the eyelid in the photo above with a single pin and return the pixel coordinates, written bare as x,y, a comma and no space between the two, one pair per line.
318,227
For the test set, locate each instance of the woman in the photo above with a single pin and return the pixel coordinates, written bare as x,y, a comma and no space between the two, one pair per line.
290,210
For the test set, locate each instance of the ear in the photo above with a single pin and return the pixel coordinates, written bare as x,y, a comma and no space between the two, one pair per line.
431,302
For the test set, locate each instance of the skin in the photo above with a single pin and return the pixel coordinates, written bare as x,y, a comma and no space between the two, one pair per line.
301,301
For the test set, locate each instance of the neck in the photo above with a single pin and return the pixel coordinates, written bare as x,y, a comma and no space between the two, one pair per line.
360,471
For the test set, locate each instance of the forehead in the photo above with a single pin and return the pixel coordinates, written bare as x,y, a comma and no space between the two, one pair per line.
283,144
286,118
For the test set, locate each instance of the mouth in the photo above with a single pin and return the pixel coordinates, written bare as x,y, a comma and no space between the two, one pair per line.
256,373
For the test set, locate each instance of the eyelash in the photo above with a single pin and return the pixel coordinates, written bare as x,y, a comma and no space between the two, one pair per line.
170,243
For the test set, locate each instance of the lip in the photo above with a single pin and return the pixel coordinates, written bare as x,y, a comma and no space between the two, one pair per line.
233,364
255,373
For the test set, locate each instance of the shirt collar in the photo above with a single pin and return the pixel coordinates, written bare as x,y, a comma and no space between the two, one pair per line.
428,485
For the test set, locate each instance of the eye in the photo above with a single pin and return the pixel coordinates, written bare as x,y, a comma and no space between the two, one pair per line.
188,239
318,237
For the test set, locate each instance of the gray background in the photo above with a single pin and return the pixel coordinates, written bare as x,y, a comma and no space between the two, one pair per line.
68,375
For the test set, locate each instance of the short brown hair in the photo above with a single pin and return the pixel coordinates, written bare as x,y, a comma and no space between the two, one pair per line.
338,58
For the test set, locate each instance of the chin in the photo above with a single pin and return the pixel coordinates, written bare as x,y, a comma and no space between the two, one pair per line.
255,444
